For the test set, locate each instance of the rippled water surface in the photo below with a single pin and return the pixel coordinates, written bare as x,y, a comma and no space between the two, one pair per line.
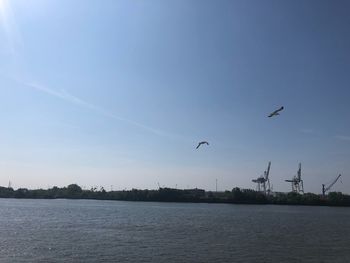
112,231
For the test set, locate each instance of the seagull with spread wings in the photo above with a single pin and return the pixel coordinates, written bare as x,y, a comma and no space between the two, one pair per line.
200,143
276,112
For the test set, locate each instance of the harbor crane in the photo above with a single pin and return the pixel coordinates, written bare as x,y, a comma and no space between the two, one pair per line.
297,182
263,182
326,189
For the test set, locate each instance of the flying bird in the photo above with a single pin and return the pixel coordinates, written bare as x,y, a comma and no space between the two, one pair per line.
276,112
200,143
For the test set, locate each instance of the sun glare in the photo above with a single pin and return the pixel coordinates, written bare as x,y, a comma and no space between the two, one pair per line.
2,6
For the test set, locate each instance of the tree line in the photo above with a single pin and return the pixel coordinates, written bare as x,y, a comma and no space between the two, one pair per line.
235,196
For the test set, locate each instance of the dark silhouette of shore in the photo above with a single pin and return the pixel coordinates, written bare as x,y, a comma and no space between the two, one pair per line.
235,196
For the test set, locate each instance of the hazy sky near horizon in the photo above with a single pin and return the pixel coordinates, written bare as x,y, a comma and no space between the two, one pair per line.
118,93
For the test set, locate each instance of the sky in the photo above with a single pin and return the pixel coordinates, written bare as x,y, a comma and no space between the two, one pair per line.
118,93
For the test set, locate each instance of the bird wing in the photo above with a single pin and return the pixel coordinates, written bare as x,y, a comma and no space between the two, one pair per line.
276,112
199,144
273,113
280,109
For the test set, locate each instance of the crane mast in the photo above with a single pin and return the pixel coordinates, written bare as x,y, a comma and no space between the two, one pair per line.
267,179
263,182
297,182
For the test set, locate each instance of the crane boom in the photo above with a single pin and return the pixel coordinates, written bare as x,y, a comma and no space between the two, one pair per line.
268,171
330,186
325,189
299,173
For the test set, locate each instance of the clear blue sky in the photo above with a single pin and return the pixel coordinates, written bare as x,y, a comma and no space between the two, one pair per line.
118,93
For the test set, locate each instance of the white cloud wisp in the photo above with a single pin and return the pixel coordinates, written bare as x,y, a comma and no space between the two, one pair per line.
64,95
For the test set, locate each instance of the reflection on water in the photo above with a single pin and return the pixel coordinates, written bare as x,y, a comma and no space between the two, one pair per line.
113,231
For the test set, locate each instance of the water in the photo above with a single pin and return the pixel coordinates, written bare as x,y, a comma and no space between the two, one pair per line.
112,231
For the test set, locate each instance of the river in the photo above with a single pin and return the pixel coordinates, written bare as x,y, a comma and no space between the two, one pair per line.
117,231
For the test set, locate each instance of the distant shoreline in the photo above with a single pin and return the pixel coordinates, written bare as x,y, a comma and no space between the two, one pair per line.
236,196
